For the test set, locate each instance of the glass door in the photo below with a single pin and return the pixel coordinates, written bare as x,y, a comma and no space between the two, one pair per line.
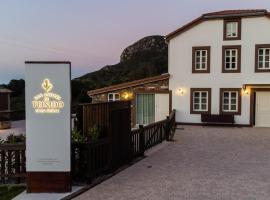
145,108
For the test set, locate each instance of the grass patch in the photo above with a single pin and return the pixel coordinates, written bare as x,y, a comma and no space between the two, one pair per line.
8,192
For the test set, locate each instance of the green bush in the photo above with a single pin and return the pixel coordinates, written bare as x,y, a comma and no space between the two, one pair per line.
94,133
12,139
77,136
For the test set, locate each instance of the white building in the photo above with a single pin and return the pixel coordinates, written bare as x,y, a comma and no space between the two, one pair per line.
220,64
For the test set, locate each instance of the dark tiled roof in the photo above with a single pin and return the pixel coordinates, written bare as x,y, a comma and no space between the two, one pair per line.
128,84
237,12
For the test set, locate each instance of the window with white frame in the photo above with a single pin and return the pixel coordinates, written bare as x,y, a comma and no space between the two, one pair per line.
232,29
231,56
230,101
264,58
113,97
200,59
200,101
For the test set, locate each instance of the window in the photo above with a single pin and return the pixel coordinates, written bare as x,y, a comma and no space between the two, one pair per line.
231,56
200,100
232,29
230,101
113,97
262,57
145,108
201,59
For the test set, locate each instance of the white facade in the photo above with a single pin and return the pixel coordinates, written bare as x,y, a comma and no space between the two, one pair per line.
255,30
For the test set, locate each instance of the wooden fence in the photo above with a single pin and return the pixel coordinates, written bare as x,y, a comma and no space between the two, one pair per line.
90,159
12,163
148,136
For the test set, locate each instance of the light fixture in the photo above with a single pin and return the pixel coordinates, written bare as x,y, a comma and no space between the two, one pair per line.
245,91
180,91
127,95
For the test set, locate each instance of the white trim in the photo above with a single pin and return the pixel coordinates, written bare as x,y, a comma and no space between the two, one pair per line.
114,98
200,56
230,104
200,101
264,61
230,59
231,28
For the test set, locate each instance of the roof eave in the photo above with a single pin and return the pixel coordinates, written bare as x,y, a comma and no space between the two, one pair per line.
235,15
127,85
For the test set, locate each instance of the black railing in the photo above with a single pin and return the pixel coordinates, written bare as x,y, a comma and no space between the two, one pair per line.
148,136
12,163
89,160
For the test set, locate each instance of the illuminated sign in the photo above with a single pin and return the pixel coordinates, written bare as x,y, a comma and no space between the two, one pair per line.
47,102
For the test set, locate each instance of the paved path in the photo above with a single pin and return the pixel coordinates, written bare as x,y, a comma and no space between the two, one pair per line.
205,163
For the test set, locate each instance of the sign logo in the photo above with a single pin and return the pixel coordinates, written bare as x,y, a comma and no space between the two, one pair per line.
47,102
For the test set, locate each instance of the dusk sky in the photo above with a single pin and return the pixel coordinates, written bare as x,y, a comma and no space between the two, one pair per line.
91,33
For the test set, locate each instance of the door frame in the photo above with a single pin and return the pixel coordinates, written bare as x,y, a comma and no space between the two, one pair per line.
253,103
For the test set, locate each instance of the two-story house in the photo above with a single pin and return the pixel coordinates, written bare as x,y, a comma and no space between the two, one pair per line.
220,64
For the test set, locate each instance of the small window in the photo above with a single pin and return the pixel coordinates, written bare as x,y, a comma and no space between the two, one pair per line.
263,58
232,29
230,101
113,97
201,59
231,56
200,100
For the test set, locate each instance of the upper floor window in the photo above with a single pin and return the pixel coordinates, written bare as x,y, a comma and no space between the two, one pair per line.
232,29
113,97
200,100
230,101
262,57
231,59
201,59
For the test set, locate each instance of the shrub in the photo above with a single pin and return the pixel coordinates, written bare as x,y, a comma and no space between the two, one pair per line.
77,136
12,139
94,133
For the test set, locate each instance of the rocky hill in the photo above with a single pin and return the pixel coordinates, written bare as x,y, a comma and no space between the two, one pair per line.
145,58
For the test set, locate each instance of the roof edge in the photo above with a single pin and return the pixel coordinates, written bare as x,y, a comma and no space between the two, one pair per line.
128,84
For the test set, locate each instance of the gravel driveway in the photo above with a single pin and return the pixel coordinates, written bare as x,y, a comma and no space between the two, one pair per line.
204,163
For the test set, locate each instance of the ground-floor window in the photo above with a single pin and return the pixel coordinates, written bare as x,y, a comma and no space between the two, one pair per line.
200,100
230,101
145,108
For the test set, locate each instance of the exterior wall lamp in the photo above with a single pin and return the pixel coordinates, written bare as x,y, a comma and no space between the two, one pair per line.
180,91
127,95
246,91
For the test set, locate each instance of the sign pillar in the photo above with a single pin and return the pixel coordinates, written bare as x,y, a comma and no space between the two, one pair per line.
48,126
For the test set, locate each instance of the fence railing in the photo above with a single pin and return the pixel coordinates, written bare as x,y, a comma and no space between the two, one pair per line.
89,159
12,163
145,137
